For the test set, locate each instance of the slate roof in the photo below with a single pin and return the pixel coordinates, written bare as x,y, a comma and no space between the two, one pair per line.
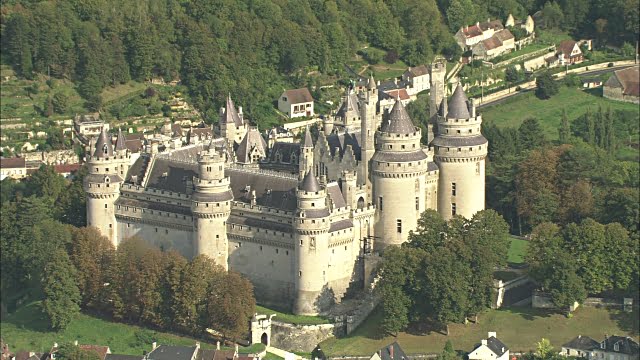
336,196
349,105
458,141
316,213
171,176
308,141
398,121
432,166
581,343
229,114
371,84
252,140
263,224
340,225
285,150
120,141
12,163
393,156
167,352
395,349
340,142
418,70
497,346
104,148
457,105
310,183
629,79
123,357
626,345
153,205
271,190
296,96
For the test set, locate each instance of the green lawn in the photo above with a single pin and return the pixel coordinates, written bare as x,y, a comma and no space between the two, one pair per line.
551,36
525,50
517,250
515,110
291,318
519,328
27,329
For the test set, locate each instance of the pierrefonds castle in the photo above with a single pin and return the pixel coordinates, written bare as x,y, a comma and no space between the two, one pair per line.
297,218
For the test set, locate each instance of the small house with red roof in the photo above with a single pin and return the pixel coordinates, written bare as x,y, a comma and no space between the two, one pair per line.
569,53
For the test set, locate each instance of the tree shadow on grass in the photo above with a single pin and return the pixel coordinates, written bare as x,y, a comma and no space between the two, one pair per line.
529,313
626,321
29,317
425,328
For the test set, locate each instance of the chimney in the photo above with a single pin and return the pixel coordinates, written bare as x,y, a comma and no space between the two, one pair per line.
217,345
75,343
579,336
492,333
483,342
55,344
235,354
391,351
503,349
154,345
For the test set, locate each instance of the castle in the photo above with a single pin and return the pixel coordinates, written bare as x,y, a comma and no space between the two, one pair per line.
297,219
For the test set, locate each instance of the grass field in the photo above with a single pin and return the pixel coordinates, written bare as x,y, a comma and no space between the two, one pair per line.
26,329
518,328
292,319
514,111
517,250
525,50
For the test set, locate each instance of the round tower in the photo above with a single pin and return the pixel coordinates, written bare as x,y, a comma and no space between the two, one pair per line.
122,155
399,184
460,151
102,186
211,206
311,226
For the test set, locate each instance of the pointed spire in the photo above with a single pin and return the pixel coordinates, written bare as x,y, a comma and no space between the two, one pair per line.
372,83
399,121
310,183
230,114
308,141
104,148
458,108
120,141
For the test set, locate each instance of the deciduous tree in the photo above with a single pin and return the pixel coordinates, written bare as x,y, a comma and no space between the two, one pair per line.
61,294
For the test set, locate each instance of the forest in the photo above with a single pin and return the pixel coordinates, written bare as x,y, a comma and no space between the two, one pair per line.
255,48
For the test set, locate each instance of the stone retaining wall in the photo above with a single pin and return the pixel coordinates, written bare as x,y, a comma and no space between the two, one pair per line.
301,338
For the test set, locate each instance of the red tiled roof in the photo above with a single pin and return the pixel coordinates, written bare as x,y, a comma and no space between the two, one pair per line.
472,31
492,43
12,163
297,96
394,94
566,46
66,168
134,145
100,350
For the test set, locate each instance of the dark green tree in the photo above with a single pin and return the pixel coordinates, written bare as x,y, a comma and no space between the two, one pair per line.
546,87
564,131
61,294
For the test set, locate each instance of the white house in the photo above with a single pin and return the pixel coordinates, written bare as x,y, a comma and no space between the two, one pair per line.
418,77
296,103
490,349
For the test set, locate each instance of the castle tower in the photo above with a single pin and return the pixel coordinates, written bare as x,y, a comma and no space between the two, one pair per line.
460,151
232,124
211,206
102,186
367,133
399,178
311,226
327,124
122,154
437,74
306,155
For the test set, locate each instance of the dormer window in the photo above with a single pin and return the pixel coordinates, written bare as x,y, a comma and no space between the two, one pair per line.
616,347
105,149
603,345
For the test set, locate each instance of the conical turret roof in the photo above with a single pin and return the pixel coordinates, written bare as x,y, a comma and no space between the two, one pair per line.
120,141
310,183
230,114
399,121
458,105
104,148
372,83
308,141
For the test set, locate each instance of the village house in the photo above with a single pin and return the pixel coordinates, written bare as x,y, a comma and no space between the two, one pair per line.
468,36
569,53
389,97
418,78
87,126
389,352
501,42
490,349
14,168
296,103
528,24
611,348
623,85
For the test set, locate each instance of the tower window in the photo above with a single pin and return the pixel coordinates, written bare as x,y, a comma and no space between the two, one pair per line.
106,206
380,203
301,242
277,251
399,226
453,189
478,168
417,203
453,209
